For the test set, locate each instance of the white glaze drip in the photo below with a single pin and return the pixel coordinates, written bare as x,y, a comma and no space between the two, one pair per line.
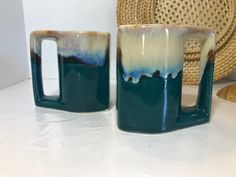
90,47
150,48
147,51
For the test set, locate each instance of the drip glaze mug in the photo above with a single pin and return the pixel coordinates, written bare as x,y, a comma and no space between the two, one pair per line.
150,62
83,59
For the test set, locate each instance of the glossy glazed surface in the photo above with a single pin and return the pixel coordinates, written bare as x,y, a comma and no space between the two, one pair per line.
150,78
149,106
147,49
83,60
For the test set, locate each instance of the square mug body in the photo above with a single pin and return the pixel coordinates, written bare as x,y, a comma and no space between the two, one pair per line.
149,77
83,64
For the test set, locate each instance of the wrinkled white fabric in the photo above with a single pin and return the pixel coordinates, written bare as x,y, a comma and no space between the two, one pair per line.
38,142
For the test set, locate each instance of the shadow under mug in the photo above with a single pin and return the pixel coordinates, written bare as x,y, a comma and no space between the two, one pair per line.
83,59
150,62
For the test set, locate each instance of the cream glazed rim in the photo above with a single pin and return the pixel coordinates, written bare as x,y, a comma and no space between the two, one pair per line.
168,26
57,33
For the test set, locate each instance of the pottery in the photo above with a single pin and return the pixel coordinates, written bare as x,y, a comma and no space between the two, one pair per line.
150,62
83,59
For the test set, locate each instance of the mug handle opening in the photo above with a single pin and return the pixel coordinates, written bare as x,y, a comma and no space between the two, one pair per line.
200,112
40,98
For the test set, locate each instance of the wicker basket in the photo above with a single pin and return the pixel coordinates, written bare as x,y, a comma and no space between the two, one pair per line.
218,14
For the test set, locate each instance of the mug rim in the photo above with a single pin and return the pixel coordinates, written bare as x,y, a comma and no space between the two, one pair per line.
67,33
167,26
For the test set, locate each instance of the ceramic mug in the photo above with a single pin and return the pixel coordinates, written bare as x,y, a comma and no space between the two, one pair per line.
83,59
150,62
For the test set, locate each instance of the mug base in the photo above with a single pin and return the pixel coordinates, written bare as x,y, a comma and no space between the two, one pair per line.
159,130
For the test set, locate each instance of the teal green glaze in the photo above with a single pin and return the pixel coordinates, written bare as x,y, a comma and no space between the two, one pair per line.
83,88
83,65
154,104
149,106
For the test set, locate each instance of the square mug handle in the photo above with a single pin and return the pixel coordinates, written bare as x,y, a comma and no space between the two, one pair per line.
40,98
200,113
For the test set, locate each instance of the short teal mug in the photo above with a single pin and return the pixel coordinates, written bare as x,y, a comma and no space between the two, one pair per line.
83,59
150,62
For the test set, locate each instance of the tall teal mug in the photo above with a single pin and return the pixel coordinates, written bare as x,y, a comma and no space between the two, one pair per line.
83,65
150,62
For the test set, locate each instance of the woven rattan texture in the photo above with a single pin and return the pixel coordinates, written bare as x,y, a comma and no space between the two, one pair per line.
218,14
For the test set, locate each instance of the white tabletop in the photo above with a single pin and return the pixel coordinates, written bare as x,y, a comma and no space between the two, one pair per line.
37,142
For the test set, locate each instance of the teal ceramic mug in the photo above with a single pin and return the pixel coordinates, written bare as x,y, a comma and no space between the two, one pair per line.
150,62
83,59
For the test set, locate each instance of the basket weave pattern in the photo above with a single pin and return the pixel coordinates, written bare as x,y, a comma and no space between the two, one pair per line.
217,14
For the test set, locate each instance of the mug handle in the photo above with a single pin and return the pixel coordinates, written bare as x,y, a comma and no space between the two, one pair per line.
40,98
200,113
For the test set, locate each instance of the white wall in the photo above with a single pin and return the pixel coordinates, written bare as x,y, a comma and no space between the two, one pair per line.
13,59
96,15
48,14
